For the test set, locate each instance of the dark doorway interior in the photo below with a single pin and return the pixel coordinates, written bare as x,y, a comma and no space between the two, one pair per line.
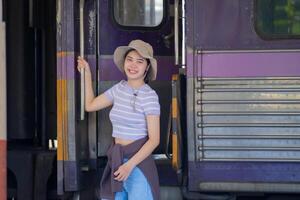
31,97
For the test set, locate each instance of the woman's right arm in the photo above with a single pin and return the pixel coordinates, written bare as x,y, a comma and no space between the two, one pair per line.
92,103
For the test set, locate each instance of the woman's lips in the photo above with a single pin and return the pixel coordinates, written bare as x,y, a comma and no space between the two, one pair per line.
131,71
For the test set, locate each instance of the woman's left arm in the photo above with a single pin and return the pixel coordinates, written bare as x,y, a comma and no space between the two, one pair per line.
154,138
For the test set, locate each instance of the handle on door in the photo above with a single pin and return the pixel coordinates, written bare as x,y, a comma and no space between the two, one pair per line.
82,76
183,45
176,31
179,14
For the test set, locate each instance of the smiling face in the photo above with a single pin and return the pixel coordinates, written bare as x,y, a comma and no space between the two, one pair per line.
135,66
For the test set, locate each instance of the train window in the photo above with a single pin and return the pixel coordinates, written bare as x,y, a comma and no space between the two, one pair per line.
138,13
278,18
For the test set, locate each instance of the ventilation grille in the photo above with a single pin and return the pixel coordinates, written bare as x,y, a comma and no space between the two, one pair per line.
255,119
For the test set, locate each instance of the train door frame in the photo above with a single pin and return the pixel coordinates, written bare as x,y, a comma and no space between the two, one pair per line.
68,90
3,129
76,152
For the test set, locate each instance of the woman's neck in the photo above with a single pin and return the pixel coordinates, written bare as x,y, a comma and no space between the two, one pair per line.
135,84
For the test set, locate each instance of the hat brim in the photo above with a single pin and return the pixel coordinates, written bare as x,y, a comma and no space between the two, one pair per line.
119,58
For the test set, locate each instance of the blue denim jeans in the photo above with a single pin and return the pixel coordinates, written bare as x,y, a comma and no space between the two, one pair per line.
136,187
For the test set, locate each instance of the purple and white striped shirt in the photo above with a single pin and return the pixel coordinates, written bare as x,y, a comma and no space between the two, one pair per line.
130,108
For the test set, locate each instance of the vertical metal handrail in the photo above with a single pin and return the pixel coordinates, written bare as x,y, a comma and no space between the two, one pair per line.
176,33
82,71
183,50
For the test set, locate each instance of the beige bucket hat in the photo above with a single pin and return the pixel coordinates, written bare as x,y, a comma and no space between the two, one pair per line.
143,48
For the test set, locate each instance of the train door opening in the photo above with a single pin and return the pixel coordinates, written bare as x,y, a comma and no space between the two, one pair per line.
154,22
82,28
31,96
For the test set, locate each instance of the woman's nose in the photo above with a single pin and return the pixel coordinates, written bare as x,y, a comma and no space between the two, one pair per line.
133,65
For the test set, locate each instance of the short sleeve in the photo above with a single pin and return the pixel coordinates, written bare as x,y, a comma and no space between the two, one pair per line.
151,104
109,93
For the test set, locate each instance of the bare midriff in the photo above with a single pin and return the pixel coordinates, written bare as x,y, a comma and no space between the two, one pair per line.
123,142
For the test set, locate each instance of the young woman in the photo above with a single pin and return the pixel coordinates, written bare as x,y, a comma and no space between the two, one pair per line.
130,172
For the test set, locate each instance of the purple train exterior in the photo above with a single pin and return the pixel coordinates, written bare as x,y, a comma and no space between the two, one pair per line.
237,92
243,116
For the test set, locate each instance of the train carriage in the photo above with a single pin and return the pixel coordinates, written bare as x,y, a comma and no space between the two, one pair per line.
243,72
228,86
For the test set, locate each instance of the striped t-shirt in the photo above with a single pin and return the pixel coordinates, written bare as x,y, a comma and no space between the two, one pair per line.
130,108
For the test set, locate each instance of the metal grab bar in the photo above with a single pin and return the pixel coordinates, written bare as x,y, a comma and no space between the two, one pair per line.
82,71
178,10
183,44
176,31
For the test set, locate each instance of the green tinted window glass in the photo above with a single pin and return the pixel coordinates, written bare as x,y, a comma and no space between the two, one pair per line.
278,18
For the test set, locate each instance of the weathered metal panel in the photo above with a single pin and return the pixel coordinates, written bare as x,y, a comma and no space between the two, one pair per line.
252,119
244,96
250,187
228,24
249,63
252,132
252,154
190,113
234,124
232,73
235,176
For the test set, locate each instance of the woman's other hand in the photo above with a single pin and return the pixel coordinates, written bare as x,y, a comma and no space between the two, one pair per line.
123,172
